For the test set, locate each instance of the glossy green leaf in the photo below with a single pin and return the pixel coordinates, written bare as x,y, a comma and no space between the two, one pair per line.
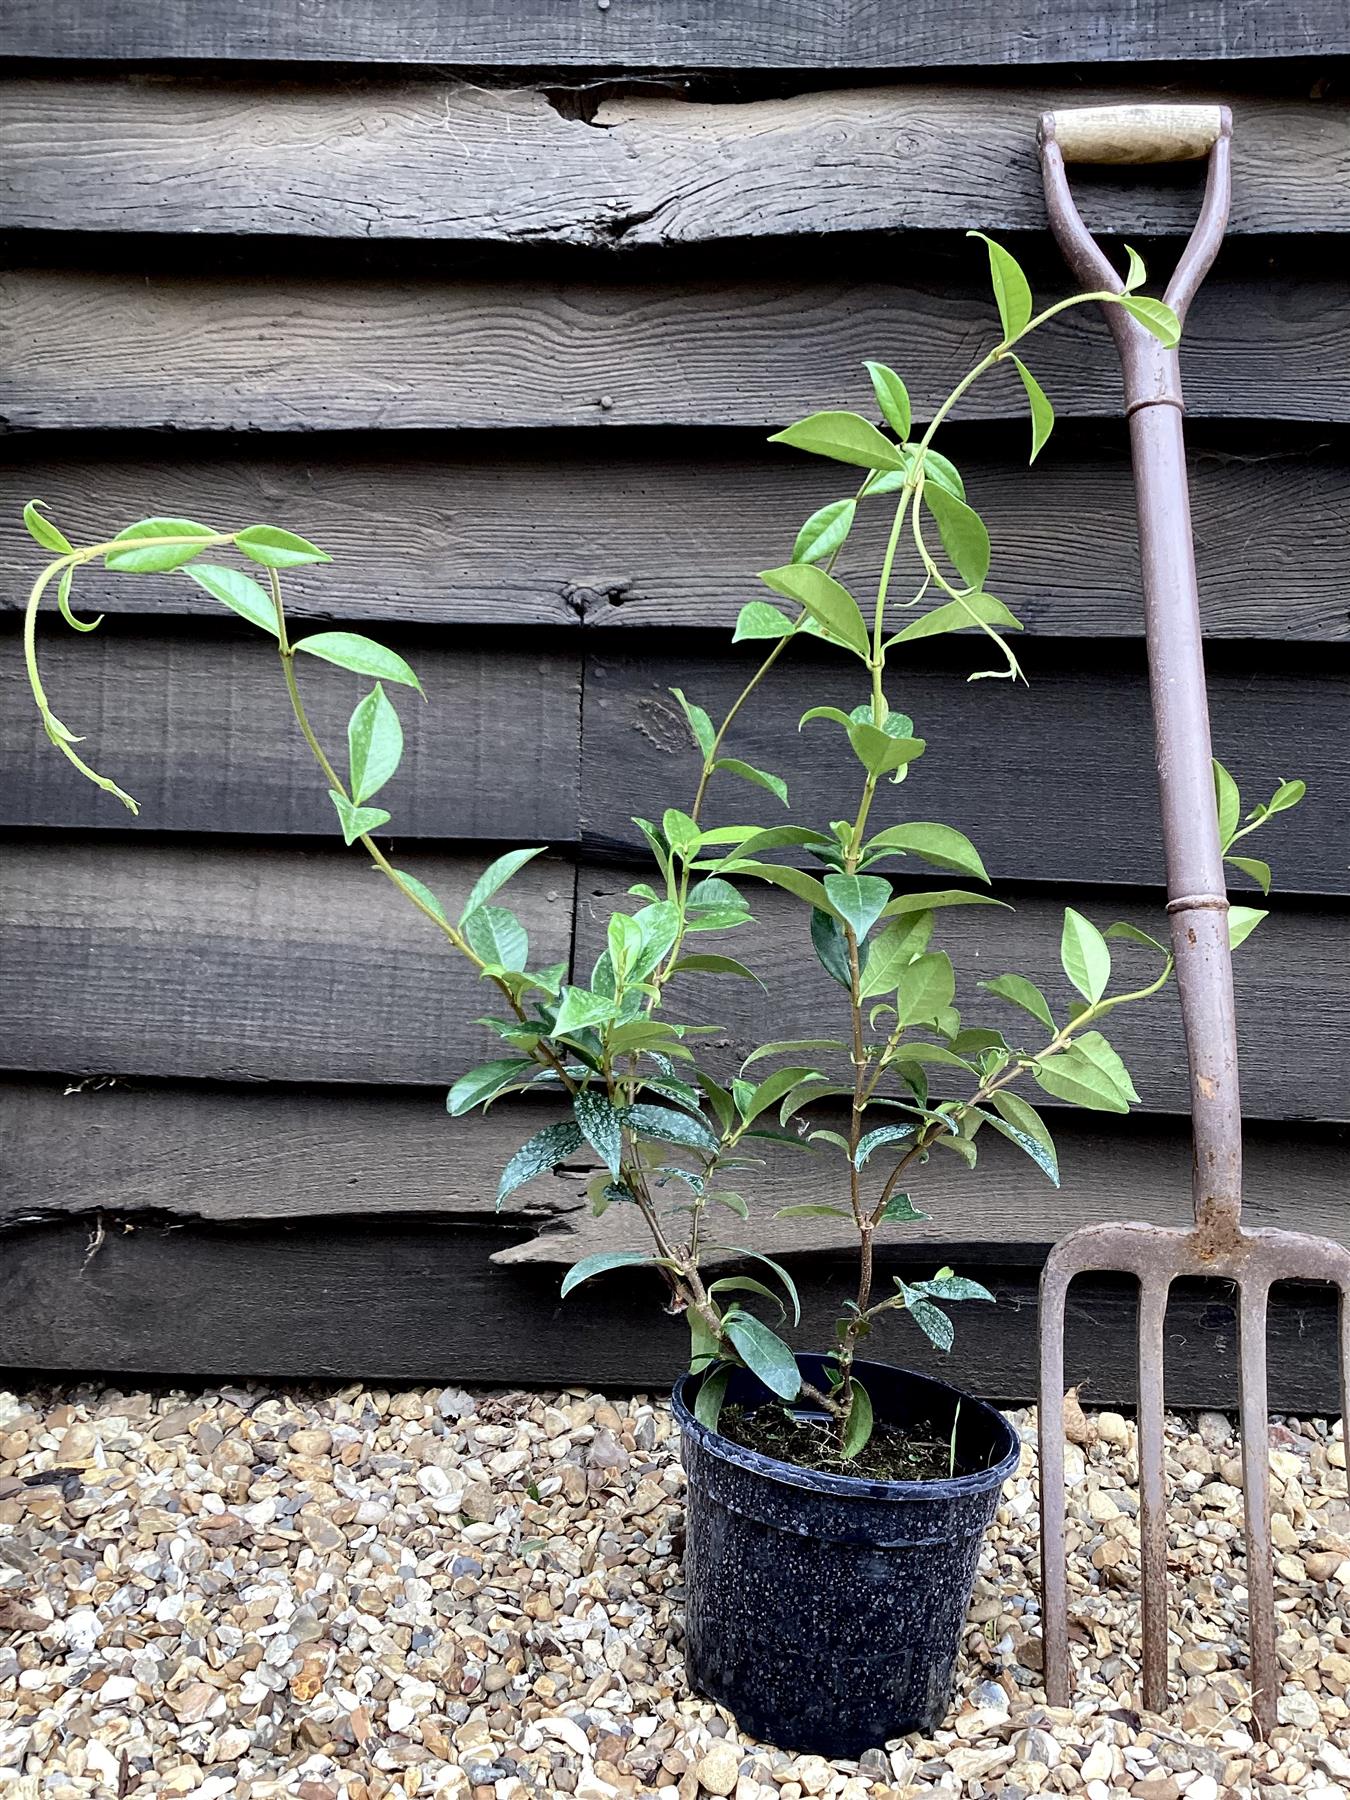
1155,317
1071,1075
497,936
789,1285
349,650
699,964
925,988
580,1010
599,1124
1135,273
966,614
1254,868
496,875
1011,292
712,1391
1242,922
544,1151
890,953
879,752
831,947
42,531
660,925
772,1089
1042,413
790,1047
808,1211
668,1126
1123,929
964,535
485,1083
680,832
941,845
932,900
931,1320
760,777
764,1353
1286,795
858,899
422,892
946,1286
599,1264
158,559
892,397
700,725
1038,1145
240,592
844,437
374,744
858,1428
757,619
63,587
1084,954
872,1141
1025,994
278,549
356,821
824,531
901,1210
827,600
796,881
1227,802
1098,1051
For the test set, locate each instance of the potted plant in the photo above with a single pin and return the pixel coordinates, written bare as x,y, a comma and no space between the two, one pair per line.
836,1505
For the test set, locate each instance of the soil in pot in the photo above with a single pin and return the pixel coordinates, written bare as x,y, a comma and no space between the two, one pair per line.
915,1452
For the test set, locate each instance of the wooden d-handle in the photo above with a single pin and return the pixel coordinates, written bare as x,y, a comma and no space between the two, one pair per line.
1134,134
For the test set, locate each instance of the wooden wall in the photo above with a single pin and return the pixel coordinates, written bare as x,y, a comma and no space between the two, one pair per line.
498,303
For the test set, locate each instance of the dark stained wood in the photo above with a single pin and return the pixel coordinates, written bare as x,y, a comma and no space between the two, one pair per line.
634,532
200,730
244,1156
1054,782
247,965
84,350
680,34
1292,980
416,1300
438,159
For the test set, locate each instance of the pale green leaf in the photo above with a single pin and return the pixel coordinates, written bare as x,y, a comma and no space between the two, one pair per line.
844,437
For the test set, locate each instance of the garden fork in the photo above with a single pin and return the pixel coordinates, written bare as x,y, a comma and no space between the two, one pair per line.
1216,1245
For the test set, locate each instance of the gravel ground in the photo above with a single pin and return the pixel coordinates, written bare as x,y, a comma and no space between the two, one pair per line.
248,1593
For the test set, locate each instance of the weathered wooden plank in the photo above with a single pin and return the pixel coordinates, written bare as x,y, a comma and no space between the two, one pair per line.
275,352
630,532
1292,979
415,1300
245,1156
1053,783
442,159
679,34
200,730
246,965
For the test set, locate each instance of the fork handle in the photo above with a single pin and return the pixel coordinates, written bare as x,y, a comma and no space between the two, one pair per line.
1134,134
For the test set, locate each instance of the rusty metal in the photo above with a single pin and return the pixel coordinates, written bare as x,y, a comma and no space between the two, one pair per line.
1216,1244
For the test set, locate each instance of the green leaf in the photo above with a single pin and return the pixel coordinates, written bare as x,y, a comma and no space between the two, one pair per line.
946,1286
796,881
1025,994
892,397
581,1010
1242,922
349,650
827,600
824,531
669,1127
1042,413
858,899
884,1134
1287,794
764,1353
278,549
941,845
716,965
831,947
859,1426
747,772
712,1391
1135,274
1095,1047
702,1342
356,820
374,743
1155,317
789,1046
484,1083
1227,802
1011,293
1073,1076
757,619
813,1212
1022,1125
925,989
680,832
879,752
497,936
1123,929
599,1124
42,530
660,925
63,587
890,954
960,615
496,875
964,535
772,1089
599,1263
700,725
901,1210
929,902
746,1284
1084,954
1252,866
930,1319
240,592
424,894
844,437
789,1285
544,1151
155,559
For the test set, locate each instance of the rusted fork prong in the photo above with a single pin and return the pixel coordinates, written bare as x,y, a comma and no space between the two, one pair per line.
1254,1426
1050,1425
1153,1291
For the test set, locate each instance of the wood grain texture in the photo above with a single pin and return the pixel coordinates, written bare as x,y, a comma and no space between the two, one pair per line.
85,350
200,730
634,532
439,159
680,34
246,964
1292,982
416,1301
1070,794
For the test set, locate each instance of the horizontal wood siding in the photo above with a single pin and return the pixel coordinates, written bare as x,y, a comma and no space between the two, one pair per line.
504,327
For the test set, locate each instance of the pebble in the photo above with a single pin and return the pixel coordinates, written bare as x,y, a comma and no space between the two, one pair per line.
719,1768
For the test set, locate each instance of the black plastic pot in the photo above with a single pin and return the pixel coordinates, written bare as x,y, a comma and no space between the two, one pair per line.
825,1611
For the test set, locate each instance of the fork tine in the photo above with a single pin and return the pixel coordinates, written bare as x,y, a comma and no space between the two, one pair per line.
1054,1561
1345,1372
1255,1427
1152,1492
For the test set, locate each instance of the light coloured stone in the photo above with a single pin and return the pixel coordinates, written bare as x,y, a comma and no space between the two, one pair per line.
718,1768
